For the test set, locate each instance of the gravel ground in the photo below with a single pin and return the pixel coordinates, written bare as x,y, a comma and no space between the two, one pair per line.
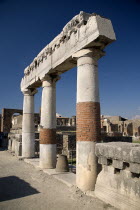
24,187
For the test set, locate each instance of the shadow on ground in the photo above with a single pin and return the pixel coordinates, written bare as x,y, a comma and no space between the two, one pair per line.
3,148
12,187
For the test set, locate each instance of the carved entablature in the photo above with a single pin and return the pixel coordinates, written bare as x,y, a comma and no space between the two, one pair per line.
71,27
84,31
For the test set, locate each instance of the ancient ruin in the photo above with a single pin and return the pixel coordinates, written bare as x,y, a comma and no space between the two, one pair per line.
6,122
119,181
81,43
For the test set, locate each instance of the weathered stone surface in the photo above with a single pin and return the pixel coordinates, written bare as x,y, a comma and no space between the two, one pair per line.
127,152
18,148
102,160
121,180
83,31
118,164
118,189
6,118
135,168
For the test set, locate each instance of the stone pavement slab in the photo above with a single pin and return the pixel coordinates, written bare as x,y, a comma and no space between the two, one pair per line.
22,186
67,178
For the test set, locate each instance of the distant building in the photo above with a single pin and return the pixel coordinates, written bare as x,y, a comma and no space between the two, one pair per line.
117,126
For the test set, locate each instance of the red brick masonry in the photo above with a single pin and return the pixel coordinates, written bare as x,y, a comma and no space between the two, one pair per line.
88,121
47,136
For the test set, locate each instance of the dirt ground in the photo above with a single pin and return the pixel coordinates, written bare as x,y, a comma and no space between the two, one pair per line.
24,187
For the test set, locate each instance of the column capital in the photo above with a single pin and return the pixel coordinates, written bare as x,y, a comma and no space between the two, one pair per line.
90,52
50,80
29,92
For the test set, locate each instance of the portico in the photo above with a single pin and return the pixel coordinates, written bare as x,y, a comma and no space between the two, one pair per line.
80,44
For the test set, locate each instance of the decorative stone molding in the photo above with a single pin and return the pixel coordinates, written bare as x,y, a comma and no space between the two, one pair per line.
126,152
71,27
83,31
119,179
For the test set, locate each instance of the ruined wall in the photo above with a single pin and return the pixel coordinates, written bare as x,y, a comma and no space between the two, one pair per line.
117,125
69,145
6,119
66,121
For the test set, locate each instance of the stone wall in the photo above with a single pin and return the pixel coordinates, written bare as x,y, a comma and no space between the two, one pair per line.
66,121
121,126
69,145
6,119
119,181
66,142
59,140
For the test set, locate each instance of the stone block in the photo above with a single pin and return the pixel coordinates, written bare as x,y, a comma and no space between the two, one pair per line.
13,145
135,168
9,144
118,164
18,148
119,189
102,160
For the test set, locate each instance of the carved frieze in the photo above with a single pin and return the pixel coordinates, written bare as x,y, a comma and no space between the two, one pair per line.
71,27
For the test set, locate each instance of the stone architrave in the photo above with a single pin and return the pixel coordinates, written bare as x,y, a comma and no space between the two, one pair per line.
83,31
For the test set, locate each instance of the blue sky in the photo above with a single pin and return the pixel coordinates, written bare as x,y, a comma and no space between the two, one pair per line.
28,26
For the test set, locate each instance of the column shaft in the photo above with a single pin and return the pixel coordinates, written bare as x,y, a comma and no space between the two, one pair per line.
48,125
88,121
28,130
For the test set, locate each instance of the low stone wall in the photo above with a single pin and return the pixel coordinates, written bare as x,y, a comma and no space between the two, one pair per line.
15,143
119,181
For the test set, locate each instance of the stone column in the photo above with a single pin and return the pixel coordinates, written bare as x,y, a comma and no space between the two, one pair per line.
87,118
28,128
48,124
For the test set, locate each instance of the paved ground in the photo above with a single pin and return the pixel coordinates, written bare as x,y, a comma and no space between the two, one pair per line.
24,187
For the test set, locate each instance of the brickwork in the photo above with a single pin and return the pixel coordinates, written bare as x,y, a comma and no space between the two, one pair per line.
47,136
88,121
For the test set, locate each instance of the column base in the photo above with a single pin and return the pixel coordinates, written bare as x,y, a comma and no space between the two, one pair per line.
86,166
47,156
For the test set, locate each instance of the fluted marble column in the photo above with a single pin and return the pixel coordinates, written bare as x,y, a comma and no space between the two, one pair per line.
28,128
48,123
88,117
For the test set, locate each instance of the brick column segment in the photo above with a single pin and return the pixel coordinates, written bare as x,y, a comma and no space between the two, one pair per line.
48,123
88,117
28,127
